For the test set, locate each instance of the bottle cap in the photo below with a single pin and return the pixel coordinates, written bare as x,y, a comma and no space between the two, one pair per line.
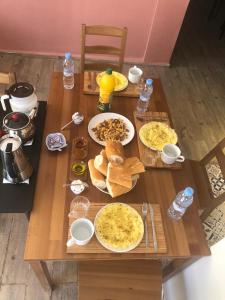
109,71
149,81
67,55
188,192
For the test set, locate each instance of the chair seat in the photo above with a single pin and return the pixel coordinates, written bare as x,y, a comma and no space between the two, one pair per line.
120,280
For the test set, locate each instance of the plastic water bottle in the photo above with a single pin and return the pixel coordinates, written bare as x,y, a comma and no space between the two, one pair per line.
145,94
68,72
182,201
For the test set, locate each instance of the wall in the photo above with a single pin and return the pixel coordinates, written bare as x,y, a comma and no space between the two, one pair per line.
53,26
167,19
202,280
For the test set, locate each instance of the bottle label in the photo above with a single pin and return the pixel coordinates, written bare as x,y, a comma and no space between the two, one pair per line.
178,208
105,97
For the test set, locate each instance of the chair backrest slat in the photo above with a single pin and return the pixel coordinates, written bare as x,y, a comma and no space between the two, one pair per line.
108,31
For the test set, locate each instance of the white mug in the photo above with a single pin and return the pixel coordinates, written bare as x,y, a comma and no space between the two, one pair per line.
81,232
134,74
171,153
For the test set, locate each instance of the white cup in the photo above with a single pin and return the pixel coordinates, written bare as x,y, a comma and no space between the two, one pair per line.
81,231
171,153
134,74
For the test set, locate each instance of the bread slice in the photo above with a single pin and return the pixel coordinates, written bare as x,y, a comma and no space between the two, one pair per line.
114,152
116,190
101,164
119,174
97,178
134,165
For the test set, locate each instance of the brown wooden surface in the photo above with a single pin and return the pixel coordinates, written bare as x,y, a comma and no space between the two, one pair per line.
151,158
95,247
91,87
47,231
126,280
106,31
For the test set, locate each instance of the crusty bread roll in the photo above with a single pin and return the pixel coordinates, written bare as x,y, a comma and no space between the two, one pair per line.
116,190
101,164
120,175
97,178
103,153
114,152
134,165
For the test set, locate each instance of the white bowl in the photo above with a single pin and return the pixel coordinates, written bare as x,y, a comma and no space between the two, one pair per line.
57,146
81,232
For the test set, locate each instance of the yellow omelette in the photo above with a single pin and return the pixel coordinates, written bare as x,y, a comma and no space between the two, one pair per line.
119,227
156,135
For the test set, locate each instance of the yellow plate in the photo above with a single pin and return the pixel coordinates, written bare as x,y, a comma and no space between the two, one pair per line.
118,227
156,135
121,80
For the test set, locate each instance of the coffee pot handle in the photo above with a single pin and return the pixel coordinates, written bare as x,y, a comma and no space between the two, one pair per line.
3,98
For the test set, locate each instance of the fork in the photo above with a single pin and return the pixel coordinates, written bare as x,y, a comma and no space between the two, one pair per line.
144,215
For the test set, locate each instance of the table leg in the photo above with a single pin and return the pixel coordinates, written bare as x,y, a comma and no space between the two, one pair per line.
41,271
27,214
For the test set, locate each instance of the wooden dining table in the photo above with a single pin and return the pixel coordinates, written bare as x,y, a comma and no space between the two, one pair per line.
48,225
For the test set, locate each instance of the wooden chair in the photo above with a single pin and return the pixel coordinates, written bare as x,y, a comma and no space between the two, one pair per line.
116,280
7,78
106,31
209,176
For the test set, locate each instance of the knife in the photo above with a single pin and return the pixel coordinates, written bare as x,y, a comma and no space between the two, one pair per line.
155,244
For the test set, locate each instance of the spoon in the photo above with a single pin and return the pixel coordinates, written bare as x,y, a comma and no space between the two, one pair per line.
77,118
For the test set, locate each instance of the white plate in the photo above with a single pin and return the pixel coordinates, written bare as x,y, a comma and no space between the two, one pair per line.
105,116
134,182
131,247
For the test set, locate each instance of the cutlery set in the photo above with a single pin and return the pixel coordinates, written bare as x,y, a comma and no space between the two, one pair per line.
145,207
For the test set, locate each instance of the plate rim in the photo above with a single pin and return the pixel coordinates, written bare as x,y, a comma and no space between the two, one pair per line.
109,247
152,148
102,143
116,90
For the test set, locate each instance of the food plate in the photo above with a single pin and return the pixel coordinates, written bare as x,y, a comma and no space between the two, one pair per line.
122,224
155,135
107,116
134,182
121,81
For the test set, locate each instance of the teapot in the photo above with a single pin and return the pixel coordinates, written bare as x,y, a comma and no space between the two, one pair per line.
21,97
21,124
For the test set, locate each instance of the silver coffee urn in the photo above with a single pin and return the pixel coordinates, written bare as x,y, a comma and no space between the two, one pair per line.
15,165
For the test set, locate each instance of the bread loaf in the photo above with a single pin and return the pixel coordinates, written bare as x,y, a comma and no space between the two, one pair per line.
97,178
120,175
134,165
103,153
101,164
114,152
116,190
